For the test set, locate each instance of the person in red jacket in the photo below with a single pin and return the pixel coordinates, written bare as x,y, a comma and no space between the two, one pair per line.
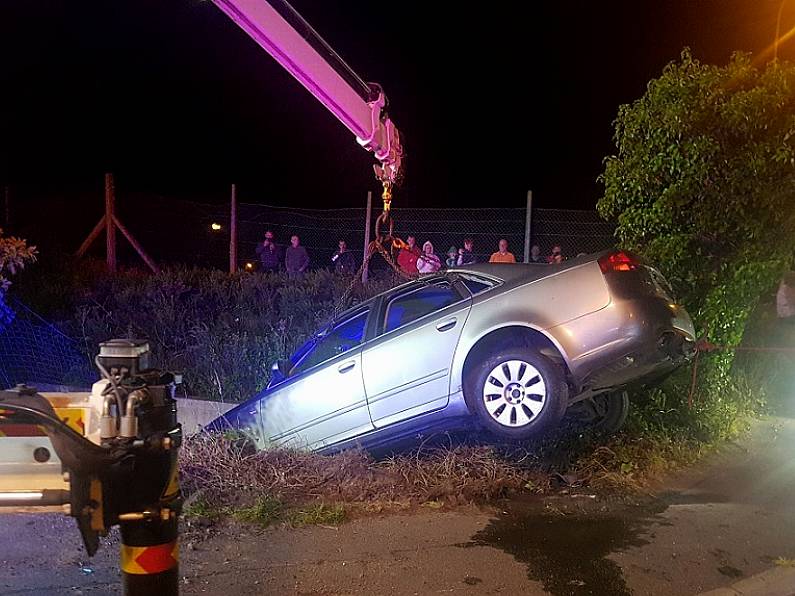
407,257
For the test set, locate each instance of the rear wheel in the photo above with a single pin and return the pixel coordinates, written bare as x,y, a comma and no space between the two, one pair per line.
605,413
517,393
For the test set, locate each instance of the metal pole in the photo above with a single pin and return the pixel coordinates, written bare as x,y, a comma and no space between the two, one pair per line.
233,231
368,217
149,530
110,228
150,557
528,221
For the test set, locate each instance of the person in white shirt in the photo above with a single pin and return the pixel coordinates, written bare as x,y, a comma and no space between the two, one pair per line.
428,262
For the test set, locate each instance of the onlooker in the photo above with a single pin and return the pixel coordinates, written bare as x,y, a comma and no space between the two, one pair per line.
785,298
428,262
556,256
452,257
296,259
407,257
502,255
465,255
269,254
535,254
343,259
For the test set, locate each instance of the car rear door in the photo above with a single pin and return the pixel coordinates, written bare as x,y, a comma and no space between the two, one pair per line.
407,366
323,402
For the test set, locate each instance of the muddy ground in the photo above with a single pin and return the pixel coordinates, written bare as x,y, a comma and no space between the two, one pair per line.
727,519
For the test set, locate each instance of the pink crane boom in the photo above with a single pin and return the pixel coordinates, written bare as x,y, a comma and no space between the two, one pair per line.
293,43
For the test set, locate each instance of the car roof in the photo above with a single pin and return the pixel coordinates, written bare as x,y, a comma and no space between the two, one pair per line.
509,273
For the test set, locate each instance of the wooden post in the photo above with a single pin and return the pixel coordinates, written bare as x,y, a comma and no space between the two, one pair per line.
109,222
528,222
367,219
233,231
110,229
91,237
138,248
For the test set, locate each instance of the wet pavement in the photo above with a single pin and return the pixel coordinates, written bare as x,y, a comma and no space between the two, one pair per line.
727,519
568,554
723,521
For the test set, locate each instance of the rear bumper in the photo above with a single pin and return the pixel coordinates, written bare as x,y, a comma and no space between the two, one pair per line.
629,341
648,363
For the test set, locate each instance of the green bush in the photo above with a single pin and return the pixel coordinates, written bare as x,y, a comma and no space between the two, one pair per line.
222,331
701,185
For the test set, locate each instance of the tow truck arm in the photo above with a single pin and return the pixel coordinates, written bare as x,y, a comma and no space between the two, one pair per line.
293,43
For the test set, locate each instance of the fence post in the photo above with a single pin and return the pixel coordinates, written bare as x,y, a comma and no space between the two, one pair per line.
233,232
368,216
110,229
528,221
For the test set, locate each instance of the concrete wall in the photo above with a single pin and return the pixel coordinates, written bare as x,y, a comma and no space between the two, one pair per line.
195,413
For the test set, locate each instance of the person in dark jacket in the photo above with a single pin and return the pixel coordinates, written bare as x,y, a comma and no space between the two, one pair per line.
269,254
344,261
296,259
535,255
465,255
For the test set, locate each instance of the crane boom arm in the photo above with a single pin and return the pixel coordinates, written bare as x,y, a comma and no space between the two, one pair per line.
292,42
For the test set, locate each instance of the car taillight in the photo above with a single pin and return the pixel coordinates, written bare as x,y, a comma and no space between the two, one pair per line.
618,261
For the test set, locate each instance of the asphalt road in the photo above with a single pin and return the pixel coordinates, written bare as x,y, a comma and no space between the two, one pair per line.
722,522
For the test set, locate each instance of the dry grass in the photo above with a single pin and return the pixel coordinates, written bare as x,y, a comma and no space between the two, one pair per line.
228,473
629,464
298,487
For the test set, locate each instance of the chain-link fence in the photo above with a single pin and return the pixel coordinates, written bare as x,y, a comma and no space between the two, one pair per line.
177,231
35,352
182,231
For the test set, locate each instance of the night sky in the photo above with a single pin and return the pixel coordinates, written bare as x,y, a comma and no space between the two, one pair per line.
492,98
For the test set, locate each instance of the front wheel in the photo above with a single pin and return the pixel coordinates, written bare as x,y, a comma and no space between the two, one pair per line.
517,393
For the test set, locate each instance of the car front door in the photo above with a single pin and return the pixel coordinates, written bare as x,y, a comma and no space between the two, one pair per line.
407,366
322,402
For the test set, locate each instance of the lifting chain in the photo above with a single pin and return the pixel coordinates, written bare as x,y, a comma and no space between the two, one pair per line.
385,243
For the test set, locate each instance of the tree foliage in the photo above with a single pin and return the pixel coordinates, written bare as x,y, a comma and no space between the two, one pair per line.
14,255
703,184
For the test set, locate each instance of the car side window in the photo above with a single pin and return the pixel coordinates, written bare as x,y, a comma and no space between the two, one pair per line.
339,339
414,304
476,285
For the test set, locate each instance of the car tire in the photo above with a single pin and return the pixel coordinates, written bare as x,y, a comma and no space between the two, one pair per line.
517,393
604,414
612,412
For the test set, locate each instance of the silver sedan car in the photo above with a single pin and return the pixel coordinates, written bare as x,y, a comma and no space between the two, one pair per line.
509,347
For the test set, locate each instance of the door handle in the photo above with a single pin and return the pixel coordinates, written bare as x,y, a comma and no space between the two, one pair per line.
345,367
447,325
